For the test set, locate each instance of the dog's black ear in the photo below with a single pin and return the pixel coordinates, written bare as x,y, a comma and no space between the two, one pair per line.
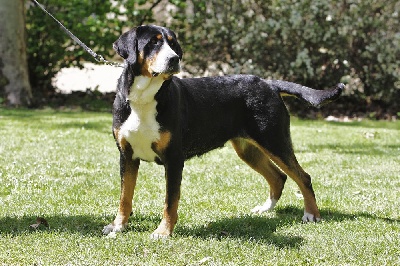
177,48
126,46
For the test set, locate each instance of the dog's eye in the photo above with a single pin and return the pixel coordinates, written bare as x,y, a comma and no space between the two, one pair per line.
155,41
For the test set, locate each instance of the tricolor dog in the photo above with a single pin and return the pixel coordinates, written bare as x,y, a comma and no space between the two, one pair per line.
160,118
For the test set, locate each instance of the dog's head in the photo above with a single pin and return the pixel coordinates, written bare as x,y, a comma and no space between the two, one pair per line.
150,50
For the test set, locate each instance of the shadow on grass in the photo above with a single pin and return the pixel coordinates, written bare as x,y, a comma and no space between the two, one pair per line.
83,224
86,225
260,229
257,229
263,229
329,215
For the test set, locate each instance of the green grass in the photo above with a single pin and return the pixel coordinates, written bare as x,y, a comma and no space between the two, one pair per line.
63,166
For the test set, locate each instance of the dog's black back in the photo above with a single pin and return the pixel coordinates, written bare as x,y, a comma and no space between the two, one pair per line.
212,110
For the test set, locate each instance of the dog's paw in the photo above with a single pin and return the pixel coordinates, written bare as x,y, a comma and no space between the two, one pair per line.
268,206
308,217
158,236
162,232
113,228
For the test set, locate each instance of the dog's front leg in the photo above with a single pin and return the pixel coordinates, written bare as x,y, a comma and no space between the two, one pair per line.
129,170
173,177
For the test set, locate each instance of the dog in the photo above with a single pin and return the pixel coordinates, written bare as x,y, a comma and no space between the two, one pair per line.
160,118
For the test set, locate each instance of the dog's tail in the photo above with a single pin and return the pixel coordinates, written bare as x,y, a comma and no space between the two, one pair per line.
315,98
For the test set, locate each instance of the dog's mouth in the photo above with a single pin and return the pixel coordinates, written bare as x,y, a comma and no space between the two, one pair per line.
170,71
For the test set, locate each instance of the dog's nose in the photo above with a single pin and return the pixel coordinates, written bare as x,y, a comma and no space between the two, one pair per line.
173,60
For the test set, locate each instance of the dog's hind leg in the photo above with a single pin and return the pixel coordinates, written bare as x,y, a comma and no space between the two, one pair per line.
293,169
282,155
260,162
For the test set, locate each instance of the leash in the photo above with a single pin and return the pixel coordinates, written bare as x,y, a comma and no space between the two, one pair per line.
97,57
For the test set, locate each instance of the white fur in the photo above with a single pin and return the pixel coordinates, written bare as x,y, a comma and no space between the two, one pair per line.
308,217
141,128
144,89
160,65
114,228
268,206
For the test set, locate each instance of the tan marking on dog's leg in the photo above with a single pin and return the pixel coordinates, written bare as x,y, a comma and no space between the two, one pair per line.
260,162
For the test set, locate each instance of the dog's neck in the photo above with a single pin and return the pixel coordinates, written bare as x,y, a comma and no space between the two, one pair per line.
144,89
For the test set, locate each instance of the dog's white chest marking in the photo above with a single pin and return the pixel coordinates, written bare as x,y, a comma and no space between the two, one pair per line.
141,129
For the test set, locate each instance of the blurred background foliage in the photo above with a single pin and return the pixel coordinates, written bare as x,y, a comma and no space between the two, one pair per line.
95,22
315,43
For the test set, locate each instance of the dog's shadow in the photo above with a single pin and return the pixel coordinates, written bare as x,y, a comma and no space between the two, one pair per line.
253,228
260,228
83,224
265,230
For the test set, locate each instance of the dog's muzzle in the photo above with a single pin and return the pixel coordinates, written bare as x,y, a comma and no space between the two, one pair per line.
172,67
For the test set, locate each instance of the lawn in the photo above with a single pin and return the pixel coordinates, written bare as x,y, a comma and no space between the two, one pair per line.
63,166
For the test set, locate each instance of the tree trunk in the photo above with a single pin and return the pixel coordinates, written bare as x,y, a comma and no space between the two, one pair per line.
15,88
